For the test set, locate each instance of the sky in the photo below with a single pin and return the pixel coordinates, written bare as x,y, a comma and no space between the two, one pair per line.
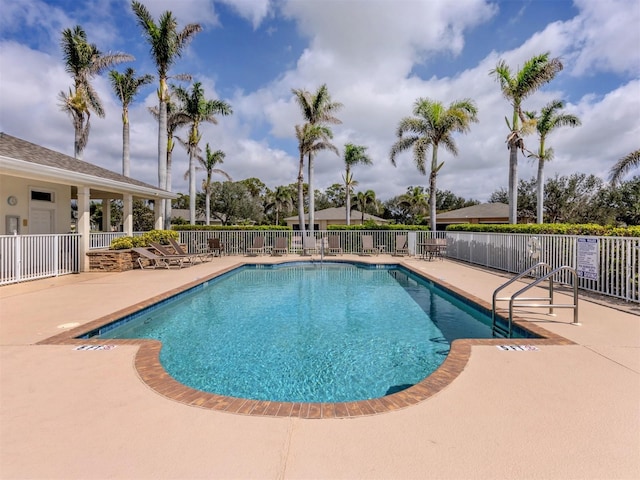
377,57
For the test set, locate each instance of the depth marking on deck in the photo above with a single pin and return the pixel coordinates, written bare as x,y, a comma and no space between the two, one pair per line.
518,348
95,347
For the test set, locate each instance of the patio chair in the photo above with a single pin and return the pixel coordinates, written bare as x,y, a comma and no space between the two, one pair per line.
334,245
154,261
367,246
163,251
257,247
179,250
441,248
401,246
281,246
216,247
309,246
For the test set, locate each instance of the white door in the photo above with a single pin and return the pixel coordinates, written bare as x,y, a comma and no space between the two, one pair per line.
41,221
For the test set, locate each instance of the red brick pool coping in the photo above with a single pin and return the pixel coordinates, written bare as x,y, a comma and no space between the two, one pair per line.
151,371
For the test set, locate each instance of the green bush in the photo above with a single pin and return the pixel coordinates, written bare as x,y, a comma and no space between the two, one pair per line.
588,229
161,236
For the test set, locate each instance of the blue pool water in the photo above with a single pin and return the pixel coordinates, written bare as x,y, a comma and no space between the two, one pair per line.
306,332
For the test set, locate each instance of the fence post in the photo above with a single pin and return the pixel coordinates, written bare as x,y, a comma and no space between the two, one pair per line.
56,255
17,261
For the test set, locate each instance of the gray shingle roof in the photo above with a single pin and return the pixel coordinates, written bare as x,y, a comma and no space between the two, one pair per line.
337,213
484,210
19,149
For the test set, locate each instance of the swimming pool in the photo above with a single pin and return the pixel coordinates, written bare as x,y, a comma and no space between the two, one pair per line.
306,332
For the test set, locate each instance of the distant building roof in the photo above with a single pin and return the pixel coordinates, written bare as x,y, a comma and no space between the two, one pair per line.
338,213
483,211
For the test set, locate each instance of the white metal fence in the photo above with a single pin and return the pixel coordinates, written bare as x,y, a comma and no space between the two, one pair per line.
28,257
618,258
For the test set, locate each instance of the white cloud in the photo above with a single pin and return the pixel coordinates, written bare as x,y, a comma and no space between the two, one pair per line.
253,10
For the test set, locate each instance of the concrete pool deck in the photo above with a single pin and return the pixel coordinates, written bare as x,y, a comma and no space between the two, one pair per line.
564,411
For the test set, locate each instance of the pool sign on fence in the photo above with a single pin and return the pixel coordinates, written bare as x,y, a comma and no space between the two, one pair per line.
587,258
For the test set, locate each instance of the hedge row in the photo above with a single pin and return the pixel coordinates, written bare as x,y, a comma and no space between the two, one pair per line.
588,229
228,227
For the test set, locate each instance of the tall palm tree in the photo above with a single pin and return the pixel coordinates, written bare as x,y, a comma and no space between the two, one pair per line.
175,119
167,45
623,165
416,201
365,200
208,164
515,87
433,125
198,109
317,109
83,61
549,120
126,86
312,138
353,155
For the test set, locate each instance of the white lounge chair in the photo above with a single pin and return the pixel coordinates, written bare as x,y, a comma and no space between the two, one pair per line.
154,261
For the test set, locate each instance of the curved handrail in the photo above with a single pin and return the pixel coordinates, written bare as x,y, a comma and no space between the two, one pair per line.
514,279
551,305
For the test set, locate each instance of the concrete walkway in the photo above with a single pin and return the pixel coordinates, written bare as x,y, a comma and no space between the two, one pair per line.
563,412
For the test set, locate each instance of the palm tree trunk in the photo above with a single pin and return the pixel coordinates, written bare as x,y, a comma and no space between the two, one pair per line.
78,123
540,191
162,148
513,183
348,205
208,206
432,188
301,196
125,144
312,202
192,186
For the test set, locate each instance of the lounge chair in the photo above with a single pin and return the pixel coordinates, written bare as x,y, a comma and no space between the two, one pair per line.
154,261
163,251
401,246
179,250
309,246
334,245
257,247
281,246
367,245
296,243
216,247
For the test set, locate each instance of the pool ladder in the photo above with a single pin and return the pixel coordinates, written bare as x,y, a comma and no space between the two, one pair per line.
516,300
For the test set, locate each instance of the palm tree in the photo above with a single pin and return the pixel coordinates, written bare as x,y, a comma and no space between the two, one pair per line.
198,109
353,155
364,200
416,201
208,164
549,120
167,44
312,138
433,125
83,61
623,165
282,201
126,86
317,109
175,119
535,72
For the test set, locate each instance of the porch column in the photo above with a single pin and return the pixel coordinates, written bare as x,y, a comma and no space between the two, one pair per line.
159,214
127,214
84,226
106,214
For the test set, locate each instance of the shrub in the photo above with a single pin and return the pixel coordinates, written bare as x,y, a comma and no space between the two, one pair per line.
161,236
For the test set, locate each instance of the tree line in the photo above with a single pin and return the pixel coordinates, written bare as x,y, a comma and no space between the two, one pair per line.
432,125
